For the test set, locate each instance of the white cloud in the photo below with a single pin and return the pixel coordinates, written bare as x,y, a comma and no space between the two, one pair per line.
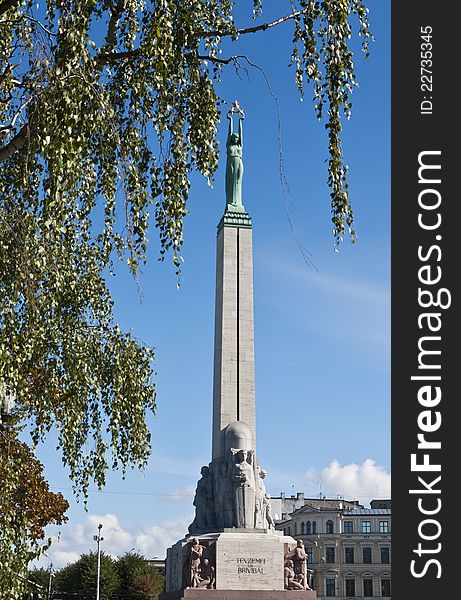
154,540
149,540
61,558
361,482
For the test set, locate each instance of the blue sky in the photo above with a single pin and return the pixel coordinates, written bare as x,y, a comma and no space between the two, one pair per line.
322,337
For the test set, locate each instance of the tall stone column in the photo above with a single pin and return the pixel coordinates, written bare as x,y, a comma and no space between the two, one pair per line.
234,388
232,550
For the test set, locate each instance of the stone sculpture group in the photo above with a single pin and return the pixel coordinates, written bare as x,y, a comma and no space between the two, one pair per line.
295,571
231,493
199,572
200,569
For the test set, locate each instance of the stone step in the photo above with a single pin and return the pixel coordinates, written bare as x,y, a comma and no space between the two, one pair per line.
204,594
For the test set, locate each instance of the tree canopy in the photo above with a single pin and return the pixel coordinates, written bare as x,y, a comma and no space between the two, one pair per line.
138,579
129,576
80,577
106,108
26,506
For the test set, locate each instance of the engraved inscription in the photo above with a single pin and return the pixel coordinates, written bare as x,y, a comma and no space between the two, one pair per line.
250,565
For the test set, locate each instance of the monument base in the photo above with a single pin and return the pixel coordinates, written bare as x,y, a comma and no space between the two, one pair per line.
198,594
248,565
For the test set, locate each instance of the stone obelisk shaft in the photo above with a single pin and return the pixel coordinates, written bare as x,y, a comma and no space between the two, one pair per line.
233,389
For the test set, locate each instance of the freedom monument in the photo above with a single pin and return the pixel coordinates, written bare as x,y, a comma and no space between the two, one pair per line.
233,551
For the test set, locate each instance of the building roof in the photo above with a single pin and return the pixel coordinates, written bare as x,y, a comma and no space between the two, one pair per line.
367,511
327,504
381,503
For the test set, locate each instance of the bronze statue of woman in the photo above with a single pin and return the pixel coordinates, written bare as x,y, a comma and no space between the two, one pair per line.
234,165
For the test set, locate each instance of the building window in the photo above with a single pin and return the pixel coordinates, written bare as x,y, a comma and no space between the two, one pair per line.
289,530
314,527
368,587
329,526
310,556
366,556
384,527
349,555
330,587
302,528
348,527
296,528
385,555
366,526
385,587
308,528
330,554
350,587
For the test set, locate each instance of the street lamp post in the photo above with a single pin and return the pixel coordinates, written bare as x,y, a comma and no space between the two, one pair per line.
98,539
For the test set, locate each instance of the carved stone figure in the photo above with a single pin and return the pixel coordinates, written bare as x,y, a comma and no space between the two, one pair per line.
234,164
224,501
260,498
290,579
204,503
193,576
299,557
264,518
243,479
267,509
199,572
207,575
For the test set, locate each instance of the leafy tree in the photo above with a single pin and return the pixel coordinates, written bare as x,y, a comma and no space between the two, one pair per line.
41,576
106,107
147,585
67,578
39,579
130,577
80,577
26,507
138,579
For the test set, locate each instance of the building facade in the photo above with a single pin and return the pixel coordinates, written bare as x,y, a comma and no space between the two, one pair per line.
348,546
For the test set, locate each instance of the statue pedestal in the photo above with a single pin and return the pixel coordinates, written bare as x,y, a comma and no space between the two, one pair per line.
249,565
